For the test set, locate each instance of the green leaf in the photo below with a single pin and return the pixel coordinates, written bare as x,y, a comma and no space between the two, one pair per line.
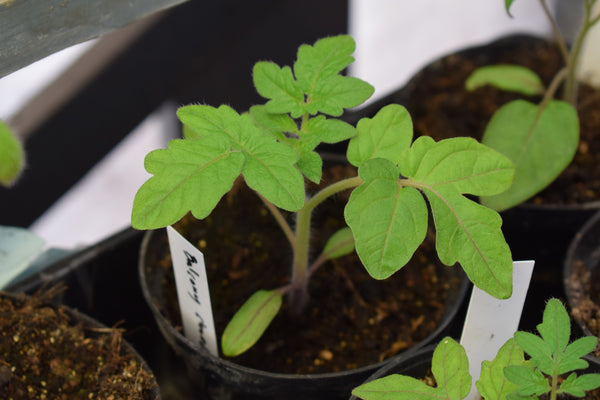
578,385
539,351
310,162
278,84
270,170
332,95
466,232
250,322
396,387
326,58
275,124
529,381
12,156
339,244
326,130
269,165
492,384
555,328
450,369
387,135
507,4
571,359
191,175
461,163
513,78
389,222
541,142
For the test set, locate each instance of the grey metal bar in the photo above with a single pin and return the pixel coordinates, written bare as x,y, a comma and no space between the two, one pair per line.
33,29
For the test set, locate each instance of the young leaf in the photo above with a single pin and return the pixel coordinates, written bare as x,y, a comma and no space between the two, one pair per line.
326,130
387,135
507,4
191,175
11,156
250,322
339,244
513,78
278,85
492,385
466,232
541,142
326,58
529,381
555,328
540,352
571,359
332,95
578,385
389,222
450,368
275,124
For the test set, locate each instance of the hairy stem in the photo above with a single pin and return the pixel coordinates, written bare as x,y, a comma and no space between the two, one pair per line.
570,94
278,216
558,37
300,272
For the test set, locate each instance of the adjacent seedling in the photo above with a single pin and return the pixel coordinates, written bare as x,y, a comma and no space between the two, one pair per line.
510,375
541,139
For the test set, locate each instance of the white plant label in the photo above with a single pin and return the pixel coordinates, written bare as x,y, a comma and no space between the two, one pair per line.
192,292
490,322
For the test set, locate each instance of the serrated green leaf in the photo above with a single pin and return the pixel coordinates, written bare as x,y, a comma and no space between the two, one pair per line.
250,322
278,85
492,384
191,175
327,57
529,381
275,124
387,135
12,156
463,164
467,232
339,244
470,234
539,351
310,162
270,170
578,385
513,78
202,121
326,130
541,142
450,369
389,222
555,328
396,387
332,95
571,359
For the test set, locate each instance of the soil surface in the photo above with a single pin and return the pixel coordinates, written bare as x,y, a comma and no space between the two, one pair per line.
45,355
351,320
441,107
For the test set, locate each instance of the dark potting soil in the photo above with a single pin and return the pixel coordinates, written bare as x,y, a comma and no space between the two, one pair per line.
442,108
351,319
584,286
44,355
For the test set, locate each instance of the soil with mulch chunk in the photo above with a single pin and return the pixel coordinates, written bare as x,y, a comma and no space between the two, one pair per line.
45,354
351,319
441,107
584,285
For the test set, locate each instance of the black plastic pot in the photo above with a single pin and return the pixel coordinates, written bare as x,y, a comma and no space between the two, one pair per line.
582,279
533,232
92,325
224,379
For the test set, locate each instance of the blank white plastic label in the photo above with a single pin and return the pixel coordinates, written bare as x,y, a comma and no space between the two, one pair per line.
490,322
192,292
